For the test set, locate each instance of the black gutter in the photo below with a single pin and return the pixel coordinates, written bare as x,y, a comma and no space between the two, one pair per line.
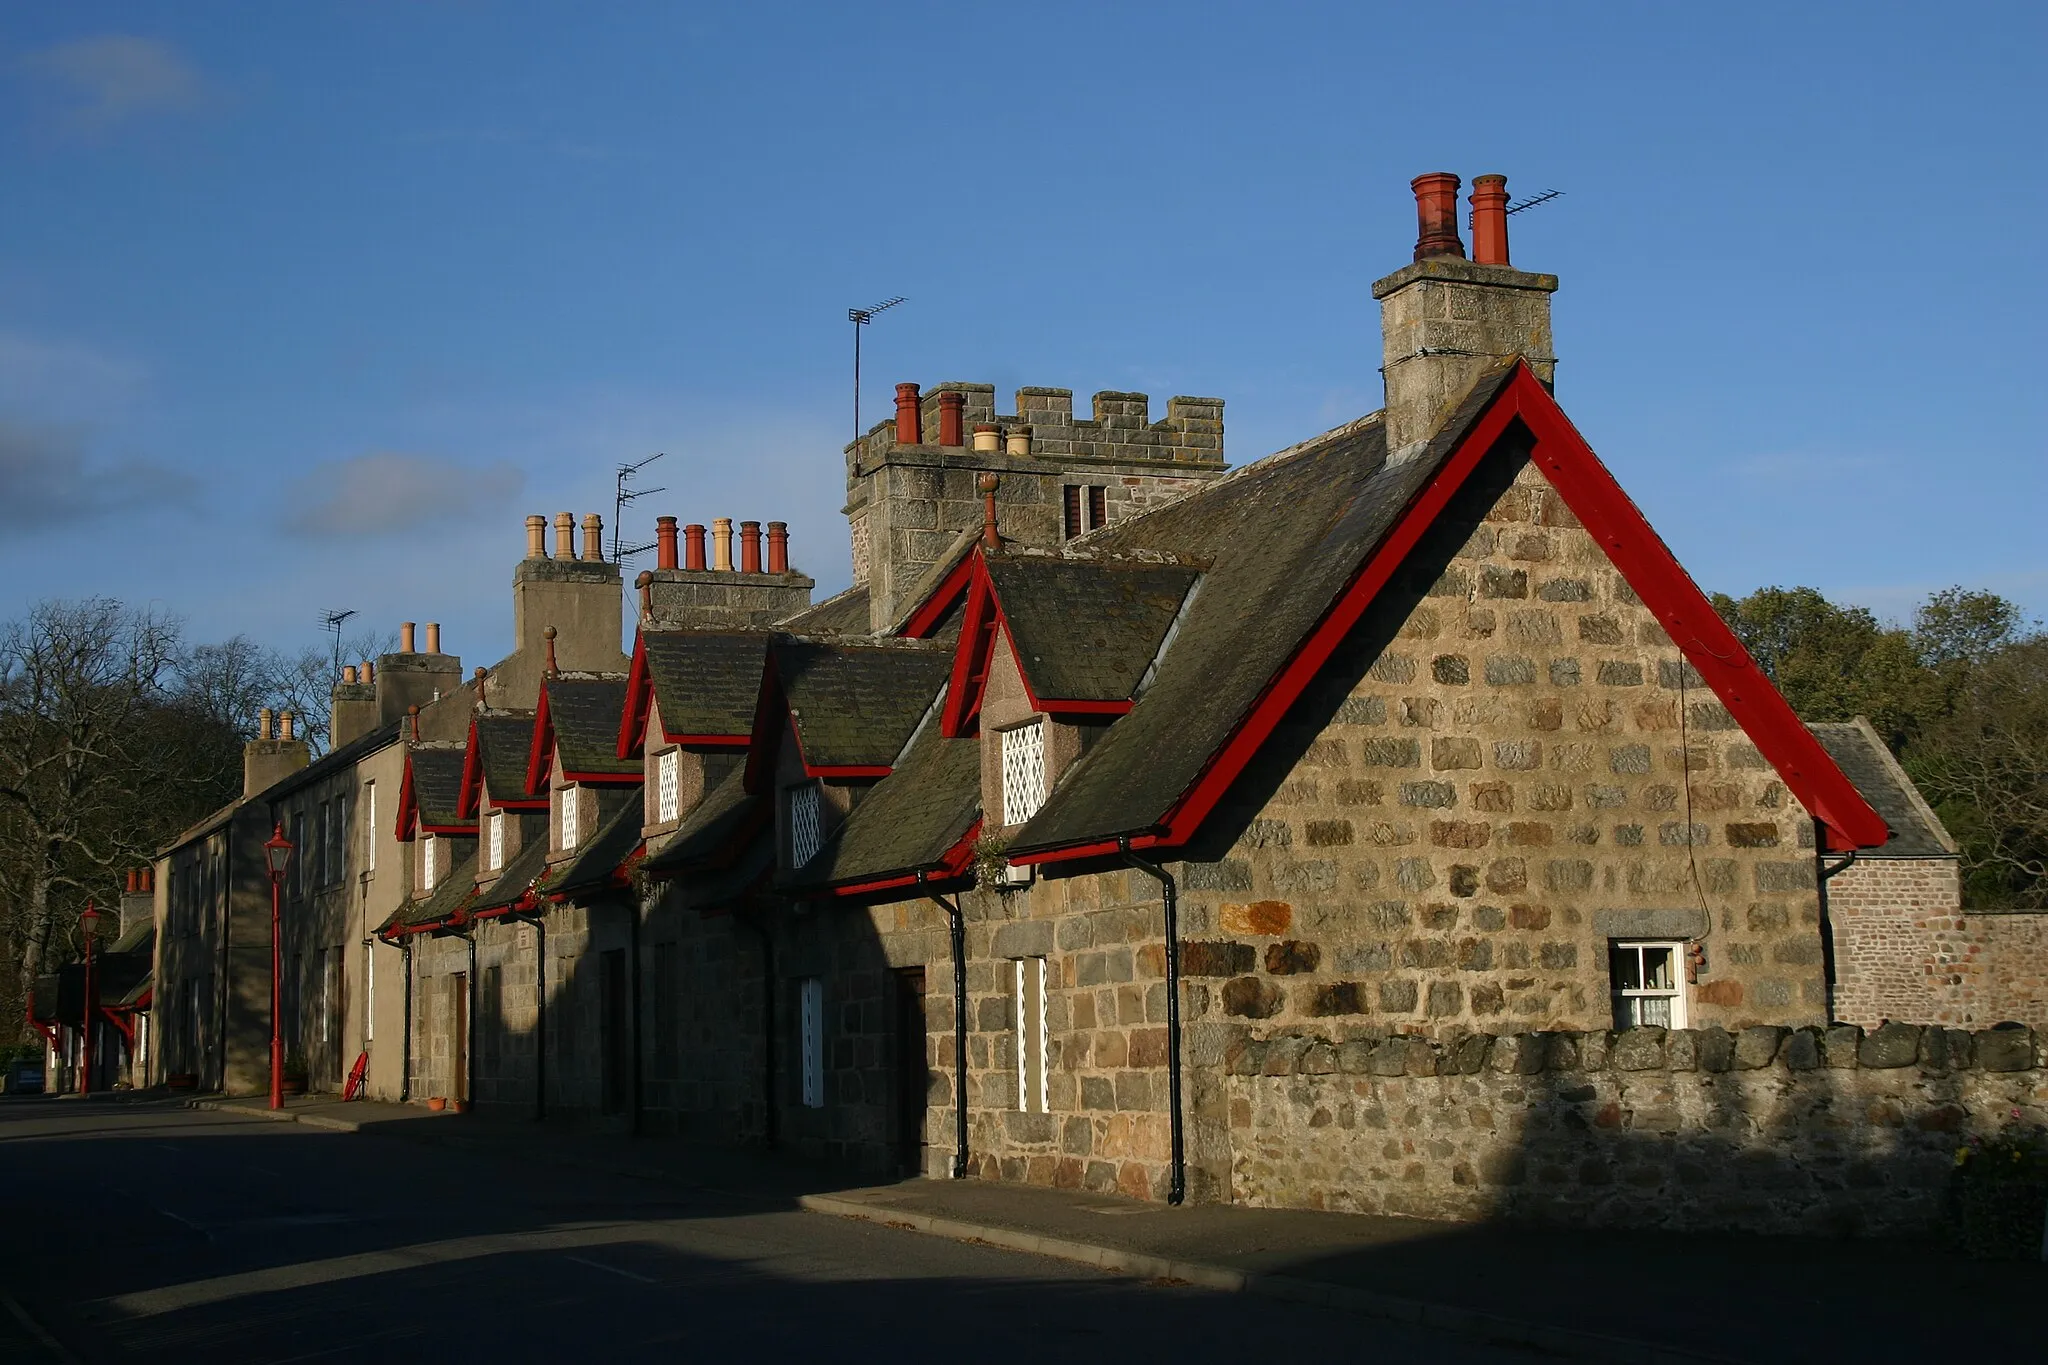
1177,1179
633,991
957,930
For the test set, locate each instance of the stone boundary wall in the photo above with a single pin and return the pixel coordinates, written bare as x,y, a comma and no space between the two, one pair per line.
1906,949
1823,1131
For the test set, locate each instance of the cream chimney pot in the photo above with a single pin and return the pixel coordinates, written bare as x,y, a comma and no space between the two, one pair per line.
405,638
536,537
284,725
369,673
721,544
565,535
593,537
263,723
433,637
1020,440
348,673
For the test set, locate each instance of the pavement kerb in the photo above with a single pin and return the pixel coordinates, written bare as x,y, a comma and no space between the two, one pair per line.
1289,1288
278,1115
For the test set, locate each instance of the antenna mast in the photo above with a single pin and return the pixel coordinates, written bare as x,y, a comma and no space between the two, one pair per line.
331,623
623,494
860,317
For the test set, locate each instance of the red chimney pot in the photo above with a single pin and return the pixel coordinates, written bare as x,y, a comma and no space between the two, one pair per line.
1490,219
778,547
909,420
750,547
665,542
1436,215
952,416
693,546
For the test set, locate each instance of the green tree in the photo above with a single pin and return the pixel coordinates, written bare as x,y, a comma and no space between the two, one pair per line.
1835,662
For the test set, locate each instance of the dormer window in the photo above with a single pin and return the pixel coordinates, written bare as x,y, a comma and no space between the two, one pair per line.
1023,772
571,816
668,782
429,856
806,825
494,845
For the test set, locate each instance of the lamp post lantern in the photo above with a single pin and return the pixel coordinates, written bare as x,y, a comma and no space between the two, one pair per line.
277,853
90,919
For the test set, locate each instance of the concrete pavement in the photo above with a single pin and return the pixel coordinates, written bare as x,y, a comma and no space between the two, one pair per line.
146,1229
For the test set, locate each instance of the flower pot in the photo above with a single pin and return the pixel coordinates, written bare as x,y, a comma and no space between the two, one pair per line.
182,1080
292,1085
460,1106
437,1103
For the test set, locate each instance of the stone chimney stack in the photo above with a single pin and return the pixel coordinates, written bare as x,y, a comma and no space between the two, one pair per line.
1444,319
411,677
581,595
138,898
267,761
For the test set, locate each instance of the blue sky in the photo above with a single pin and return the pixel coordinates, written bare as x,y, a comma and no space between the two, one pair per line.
306,306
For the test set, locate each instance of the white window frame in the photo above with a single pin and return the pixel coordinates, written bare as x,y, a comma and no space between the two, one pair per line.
494,844
370,826
369,991
1023,753
805,806
428,872
811,1040
1629,1001
570,831
668,785
1033,1037
330,965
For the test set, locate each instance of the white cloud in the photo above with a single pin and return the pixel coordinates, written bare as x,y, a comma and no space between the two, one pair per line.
48,479
386,492
64,379
103,82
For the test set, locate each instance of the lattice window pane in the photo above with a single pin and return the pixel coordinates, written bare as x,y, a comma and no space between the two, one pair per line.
805,830
571,821
496,857
1023,773
428,871
668,785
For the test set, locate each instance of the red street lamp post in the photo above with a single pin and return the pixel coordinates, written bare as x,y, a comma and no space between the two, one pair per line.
277,852
90,918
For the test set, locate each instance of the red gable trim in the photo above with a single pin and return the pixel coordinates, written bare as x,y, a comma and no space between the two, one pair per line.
604,779
639,695
926,620
710,741
771,716
952,865
1647,564
540,756
408,804
974,657
472,775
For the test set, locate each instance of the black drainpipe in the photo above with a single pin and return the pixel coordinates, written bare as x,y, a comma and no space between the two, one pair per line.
957,930
769,1124
405,1065
540,1012
633,992
1177,1180
469,1041
1824,873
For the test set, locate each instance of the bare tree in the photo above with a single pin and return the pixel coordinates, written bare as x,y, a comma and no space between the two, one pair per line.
100,761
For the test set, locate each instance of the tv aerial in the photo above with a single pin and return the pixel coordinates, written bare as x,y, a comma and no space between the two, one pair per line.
331,622
861,317
625,493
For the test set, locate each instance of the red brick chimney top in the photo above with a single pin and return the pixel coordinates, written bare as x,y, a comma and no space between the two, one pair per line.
1436,215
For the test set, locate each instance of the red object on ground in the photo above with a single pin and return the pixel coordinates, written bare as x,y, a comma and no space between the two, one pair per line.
353,1090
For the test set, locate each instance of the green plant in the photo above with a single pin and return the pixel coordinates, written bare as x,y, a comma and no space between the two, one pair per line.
295,1065
1998,1193
989,862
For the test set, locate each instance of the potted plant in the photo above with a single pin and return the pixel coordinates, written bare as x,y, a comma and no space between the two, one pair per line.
293,1081
436,1103
182,1080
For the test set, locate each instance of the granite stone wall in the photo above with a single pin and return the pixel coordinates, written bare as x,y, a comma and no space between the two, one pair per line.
1906,949
1832,1131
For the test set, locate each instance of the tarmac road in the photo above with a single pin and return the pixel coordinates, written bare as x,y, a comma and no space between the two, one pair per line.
140,1230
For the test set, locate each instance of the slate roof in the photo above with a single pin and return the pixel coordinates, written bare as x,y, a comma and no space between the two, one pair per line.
357,749
138,938
437,782
1281,537
586,712
1861,754
908,822
605,852
709,827
1086,630
856,704
518,876
504,742
451,893
845,613
706,682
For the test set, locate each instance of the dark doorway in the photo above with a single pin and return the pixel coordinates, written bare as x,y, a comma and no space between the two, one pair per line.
612,1025
913,1069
